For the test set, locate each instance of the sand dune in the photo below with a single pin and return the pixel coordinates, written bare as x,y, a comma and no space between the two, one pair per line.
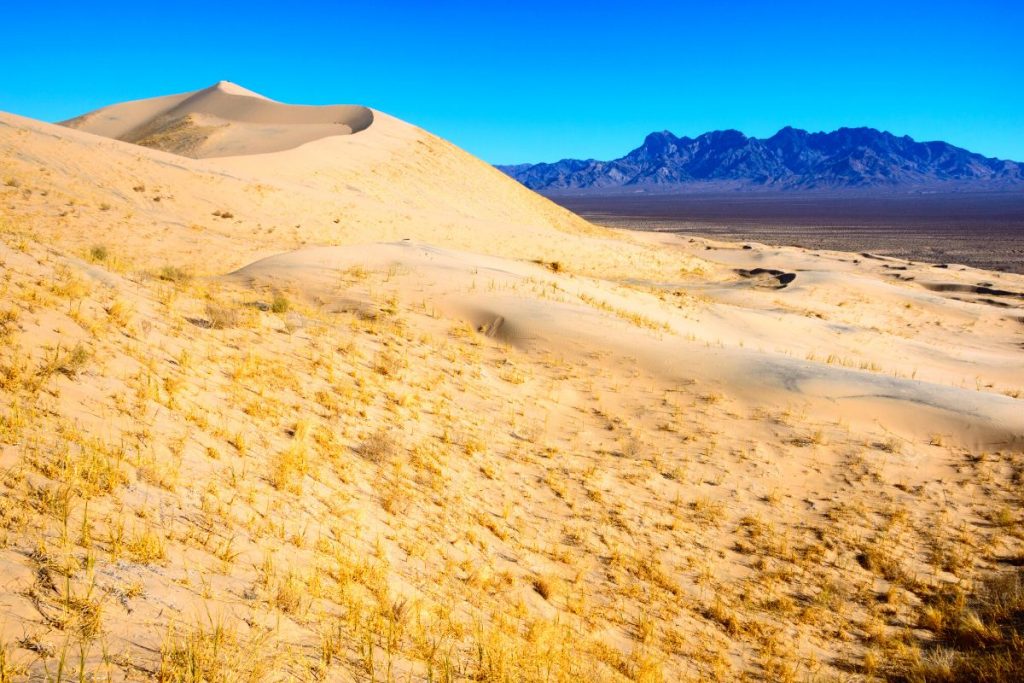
389,182
309,393
499,297
222,120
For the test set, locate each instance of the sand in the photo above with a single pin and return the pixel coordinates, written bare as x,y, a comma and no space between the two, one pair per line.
222,120
308,392
761,363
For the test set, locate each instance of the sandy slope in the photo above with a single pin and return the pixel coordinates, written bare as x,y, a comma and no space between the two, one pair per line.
499,297
340,395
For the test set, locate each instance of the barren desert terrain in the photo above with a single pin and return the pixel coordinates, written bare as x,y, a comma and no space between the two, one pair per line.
308,393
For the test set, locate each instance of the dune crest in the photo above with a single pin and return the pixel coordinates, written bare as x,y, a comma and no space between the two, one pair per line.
224,119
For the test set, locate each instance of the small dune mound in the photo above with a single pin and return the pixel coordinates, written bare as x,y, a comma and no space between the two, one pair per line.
222,120
446,278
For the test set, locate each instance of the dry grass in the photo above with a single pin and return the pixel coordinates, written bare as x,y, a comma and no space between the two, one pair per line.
221,316
378,447
212,653
174,274
378,498
979,635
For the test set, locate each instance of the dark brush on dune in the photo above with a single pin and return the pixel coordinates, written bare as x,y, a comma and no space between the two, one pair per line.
792,159
780,277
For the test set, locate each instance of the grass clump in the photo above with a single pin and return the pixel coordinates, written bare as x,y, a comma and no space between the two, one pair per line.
146,547
174,274
288,467
67,362
8,321
280,303
545,586
378,447
222,316
288,596
214,654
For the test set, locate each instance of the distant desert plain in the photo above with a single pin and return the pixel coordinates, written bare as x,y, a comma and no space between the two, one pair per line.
307,393
981,229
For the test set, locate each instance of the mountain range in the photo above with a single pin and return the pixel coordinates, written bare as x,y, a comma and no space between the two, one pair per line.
792,159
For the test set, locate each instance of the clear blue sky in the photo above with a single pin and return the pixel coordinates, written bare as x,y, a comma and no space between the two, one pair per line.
526,81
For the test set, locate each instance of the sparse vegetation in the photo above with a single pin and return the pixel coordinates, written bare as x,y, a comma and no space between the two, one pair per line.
280,303
979,635
213,653
174,274
222,315
378,447
207,479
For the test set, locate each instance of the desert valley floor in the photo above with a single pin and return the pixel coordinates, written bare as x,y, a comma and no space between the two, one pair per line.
981,229
295,395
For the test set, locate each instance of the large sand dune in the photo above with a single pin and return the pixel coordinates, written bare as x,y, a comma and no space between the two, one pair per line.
310,393
222,120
